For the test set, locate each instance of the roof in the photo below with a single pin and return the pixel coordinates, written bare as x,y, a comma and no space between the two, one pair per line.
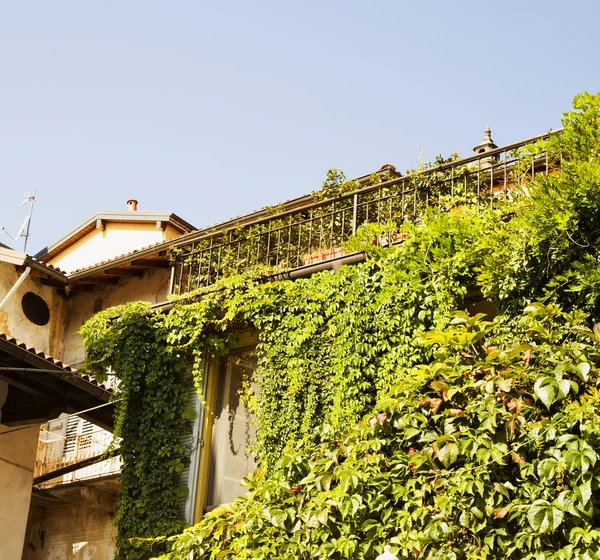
52,361
18,258
41,387
128,217
158,250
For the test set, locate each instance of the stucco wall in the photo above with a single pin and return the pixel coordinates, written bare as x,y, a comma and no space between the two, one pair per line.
153,286
17,458
116,239
13,321
70,531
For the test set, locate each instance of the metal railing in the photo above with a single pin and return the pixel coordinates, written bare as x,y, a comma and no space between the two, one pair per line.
56,451
317,231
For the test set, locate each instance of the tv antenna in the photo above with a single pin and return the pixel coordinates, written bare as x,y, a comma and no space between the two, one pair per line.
28,198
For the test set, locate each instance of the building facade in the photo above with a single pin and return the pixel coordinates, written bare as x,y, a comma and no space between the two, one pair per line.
117,257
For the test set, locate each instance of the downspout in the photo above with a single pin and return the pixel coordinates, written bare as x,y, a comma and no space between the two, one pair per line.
16,286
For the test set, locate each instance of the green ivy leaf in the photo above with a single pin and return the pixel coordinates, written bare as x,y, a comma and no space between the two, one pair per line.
544,517
583,370
448,454
549,390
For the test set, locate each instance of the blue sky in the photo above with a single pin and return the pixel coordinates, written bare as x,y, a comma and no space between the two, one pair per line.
214,109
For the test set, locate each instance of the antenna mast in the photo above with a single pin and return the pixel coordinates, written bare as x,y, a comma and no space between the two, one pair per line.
24,231
29,198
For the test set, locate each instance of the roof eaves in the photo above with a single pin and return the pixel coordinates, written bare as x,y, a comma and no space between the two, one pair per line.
150,250
126,217
11,256
48,269
36,358
18,258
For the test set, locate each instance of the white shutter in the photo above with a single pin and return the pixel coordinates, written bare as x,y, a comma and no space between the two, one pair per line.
73,430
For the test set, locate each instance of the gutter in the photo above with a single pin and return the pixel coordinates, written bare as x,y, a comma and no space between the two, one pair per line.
310,269
294,274
289,207
32,263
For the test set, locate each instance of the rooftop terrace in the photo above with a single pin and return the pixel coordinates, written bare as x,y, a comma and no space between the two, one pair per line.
305,234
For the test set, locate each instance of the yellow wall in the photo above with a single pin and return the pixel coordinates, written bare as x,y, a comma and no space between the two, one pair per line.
171,233
17,458
115,240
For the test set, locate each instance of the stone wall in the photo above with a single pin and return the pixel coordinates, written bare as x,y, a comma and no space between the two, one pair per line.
79,531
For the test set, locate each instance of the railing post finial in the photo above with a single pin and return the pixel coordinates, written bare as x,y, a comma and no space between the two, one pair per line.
487,145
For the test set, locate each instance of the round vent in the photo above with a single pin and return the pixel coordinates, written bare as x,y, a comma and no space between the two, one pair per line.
35,309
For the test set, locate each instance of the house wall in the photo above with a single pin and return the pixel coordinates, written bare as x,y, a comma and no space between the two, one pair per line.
13,321
69,531
17,458
153,287
116,239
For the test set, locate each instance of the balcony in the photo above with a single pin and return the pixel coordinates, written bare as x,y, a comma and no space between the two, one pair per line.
315,231
67,442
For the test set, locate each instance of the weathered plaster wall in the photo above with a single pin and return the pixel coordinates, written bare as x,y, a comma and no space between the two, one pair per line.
116,239
17,458
70,531
13,321
153,286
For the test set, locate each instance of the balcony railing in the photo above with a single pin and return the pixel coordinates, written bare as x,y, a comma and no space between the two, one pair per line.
316,231
56,452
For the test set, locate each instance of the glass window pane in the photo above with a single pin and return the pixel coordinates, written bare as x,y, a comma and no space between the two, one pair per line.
233,431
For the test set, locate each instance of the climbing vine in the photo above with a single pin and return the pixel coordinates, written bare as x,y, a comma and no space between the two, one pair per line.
484,452
149,417
336,346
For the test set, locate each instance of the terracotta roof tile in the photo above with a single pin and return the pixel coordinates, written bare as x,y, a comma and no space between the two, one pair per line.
207,229
51,267
53,361
300,201
129,254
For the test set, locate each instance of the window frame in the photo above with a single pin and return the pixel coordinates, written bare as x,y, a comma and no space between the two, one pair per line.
247,341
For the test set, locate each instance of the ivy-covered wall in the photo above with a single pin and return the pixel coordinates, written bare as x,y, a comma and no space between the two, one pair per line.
450,412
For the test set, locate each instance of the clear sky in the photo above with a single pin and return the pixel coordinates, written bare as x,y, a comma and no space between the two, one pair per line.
214,109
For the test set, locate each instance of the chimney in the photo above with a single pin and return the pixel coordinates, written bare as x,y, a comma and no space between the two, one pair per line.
132,205
389,169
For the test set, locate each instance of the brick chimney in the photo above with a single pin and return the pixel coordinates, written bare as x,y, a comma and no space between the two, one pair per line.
132,205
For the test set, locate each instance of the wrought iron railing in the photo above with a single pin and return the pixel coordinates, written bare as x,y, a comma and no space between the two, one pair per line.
316,231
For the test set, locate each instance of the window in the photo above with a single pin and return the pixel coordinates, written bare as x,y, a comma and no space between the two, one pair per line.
35,309
78,438
233,430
